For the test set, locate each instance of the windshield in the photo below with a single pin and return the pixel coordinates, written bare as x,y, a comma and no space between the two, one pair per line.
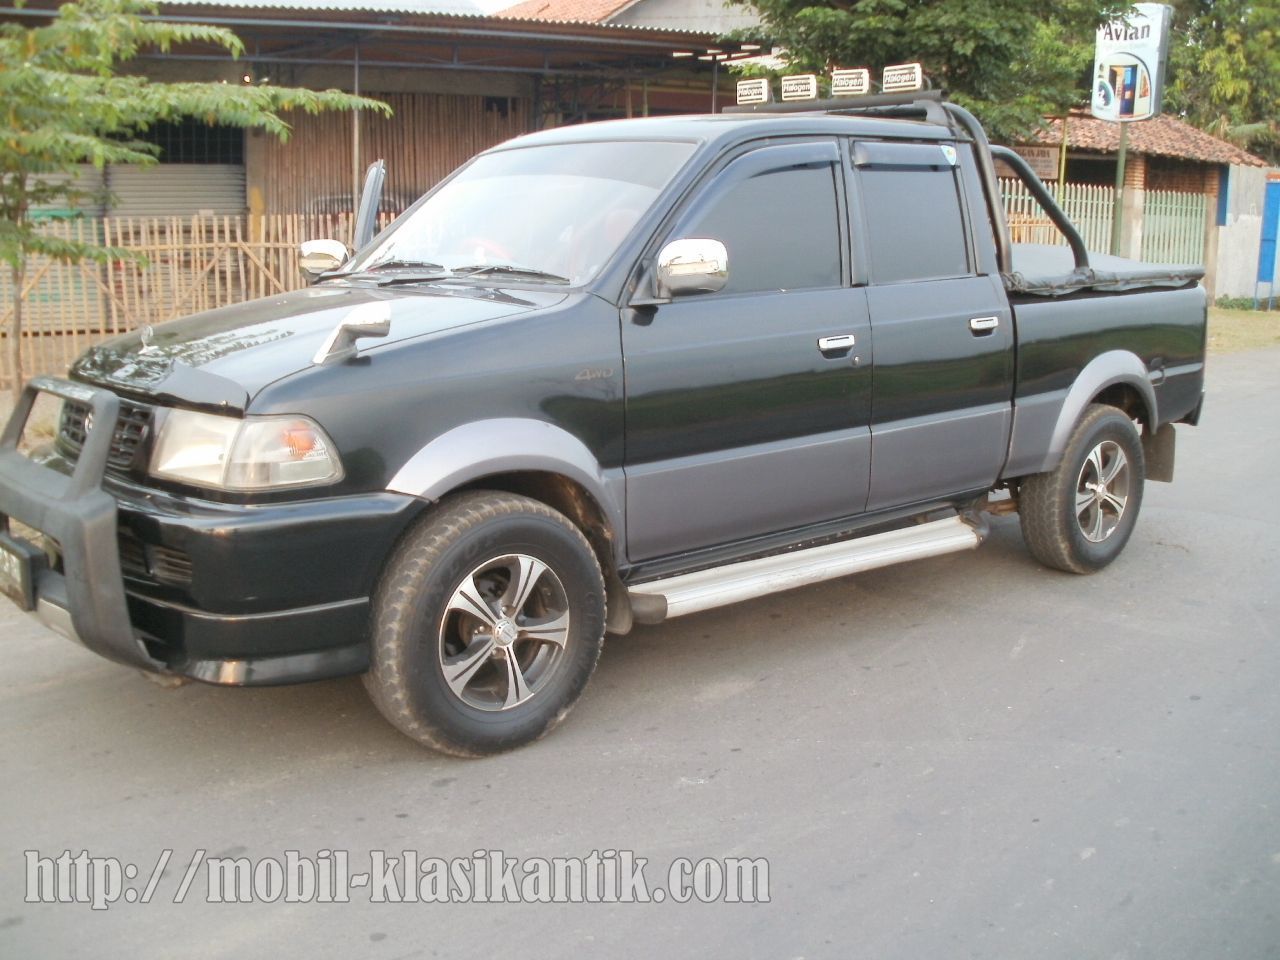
552,214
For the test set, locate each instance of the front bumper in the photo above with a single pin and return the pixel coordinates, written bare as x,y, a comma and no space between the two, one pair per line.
261,594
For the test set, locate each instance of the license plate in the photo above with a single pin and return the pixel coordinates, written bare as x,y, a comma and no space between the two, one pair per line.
19,562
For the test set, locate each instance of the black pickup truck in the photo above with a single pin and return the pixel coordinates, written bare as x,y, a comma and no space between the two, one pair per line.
601,375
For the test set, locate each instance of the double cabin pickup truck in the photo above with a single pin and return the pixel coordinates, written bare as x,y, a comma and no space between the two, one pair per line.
601,375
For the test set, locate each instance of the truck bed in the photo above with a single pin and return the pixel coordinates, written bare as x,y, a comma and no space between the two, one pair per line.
1043,270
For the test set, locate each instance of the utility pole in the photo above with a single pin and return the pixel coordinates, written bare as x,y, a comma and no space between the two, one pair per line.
1117,217
1062,161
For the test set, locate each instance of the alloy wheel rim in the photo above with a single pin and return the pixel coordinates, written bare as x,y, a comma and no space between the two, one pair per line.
1102,491
503,633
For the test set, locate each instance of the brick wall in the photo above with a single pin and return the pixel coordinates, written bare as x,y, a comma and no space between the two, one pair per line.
1184,176
1135,171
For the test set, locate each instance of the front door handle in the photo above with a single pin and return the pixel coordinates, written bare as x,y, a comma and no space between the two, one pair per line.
830,344
984,324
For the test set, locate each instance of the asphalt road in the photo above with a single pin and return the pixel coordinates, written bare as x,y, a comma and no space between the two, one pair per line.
966,757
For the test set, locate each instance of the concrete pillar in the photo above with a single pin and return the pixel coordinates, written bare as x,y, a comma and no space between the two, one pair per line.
1135,187
1212,184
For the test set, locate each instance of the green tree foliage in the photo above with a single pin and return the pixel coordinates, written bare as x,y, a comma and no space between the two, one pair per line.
1224,70
64,102
1009,61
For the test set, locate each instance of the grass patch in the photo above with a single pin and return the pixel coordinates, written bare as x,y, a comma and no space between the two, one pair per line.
1231,331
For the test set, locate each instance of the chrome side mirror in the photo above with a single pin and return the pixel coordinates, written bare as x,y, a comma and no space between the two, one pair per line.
692,266
320,256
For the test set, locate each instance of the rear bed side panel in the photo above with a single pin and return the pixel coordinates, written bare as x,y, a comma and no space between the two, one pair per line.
1071,348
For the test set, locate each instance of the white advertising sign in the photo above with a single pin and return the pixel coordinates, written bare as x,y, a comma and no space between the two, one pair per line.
1129,62
1043,160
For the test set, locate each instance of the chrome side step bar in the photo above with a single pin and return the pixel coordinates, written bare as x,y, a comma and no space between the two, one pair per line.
676,596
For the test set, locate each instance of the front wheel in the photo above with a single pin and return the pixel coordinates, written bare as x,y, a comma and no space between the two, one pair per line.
1078,516
487,625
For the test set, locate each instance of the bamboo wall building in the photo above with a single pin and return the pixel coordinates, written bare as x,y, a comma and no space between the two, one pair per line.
458,81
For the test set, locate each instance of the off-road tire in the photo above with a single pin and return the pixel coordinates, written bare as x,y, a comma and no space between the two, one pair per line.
406,678
1047,502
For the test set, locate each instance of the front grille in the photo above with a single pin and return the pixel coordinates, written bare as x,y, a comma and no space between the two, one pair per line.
152,563
131,432
133,556
170,566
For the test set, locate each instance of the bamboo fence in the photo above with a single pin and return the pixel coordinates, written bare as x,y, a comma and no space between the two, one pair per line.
191,265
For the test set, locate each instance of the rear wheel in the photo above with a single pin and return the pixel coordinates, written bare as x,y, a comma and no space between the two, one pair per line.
1078,516
487,625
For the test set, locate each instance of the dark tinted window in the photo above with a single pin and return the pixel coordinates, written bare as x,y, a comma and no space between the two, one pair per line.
193,141
914,227
780,229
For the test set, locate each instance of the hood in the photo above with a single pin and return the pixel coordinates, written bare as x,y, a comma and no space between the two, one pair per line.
222,358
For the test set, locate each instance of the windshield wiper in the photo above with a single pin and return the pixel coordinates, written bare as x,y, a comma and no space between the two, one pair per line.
506,269
391,270
398,264
386,272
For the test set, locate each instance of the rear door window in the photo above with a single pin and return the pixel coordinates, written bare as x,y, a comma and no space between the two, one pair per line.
911,209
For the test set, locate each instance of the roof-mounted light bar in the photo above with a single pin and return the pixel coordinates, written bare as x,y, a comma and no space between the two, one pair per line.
899,78
757,90
851,83
800,87
902,78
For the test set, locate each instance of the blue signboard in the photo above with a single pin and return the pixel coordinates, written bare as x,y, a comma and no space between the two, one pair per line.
1270,223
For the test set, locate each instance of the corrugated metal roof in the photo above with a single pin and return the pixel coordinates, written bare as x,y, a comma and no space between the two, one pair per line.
693,17
451,7
433,14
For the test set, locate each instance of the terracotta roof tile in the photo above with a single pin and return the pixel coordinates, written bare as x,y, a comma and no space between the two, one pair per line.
1162,136
565,11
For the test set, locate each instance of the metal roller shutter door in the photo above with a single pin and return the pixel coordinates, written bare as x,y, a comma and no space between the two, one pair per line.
177,190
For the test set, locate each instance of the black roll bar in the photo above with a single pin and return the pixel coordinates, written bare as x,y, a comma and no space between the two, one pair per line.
1047,202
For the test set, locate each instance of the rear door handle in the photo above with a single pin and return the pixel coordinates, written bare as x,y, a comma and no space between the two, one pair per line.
843,342
984,324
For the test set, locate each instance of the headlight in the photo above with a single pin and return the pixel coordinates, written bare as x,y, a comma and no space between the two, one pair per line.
258,453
